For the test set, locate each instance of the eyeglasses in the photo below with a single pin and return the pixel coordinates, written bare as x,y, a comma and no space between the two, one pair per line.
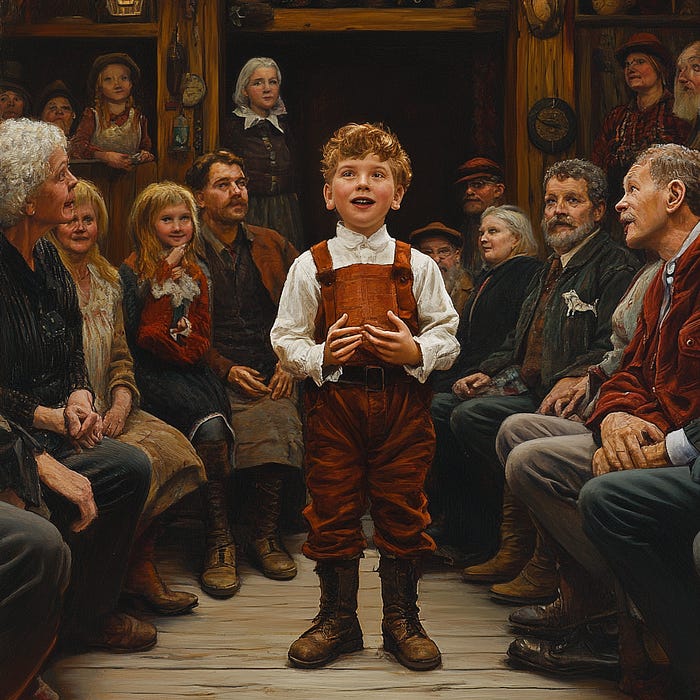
440,253
478,184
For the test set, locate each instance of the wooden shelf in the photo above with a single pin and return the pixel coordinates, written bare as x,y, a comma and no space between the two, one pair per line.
351,19
638,20
84,30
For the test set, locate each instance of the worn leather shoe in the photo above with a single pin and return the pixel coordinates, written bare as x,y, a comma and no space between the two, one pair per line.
325,640
557,620
269,556
405,638
526,589
144,586
581,654
220,575
124,633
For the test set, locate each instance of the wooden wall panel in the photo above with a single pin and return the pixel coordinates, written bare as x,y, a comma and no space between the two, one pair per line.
537,68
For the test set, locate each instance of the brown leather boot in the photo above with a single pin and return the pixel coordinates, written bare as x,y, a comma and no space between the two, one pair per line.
265,549
537,583
336,629
122,633
402,631
582,601
219,577
517,545
143,583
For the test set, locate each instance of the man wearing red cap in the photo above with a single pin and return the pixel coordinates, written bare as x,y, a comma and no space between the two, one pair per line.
444,245
479,186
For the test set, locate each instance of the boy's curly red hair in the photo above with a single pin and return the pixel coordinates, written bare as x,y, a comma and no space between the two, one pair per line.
361,140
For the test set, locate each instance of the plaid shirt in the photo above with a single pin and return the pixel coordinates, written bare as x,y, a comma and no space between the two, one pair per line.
627,131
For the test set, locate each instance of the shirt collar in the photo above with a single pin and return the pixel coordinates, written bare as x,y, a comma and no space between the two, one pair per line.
251,118
670,267
566,257
351,240
216,245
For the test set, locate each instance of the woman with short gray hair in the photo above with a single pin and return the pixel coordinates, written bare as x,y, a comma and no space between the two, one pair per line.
258,132
45,391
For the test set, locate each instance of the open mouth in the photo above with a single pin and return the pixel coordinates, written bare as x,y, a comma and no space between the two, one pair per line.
362,201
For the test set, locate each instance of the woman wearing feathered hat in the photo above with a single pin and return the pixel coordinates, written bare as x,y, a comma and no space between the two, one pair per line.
113,130
647,119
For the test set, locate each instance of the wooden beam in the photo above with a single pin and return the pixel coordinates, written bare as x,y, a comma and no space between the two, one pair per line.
83,30
355,19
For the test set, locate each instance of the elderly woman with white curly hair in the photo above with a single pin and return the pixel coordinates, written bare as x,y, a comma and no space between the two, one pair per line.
94,487
258,132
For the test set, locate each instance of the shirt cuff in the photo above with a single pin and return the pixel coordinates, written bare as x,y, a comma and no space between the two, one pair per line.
680,449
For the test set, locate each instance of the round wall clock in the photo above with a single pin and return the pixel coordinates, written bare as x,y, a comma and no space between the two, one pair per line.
193,89
551,125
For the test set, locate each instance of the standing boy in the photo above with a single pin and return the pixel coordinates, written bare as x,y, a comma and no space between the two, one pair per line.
366,319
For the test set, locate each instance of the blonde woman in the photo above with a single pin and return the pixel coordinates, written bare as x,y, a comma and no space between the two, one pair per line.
176,468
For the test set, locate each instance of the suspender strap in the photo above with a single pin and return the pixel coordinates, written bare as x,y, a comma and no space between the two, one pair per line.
403,281
326,277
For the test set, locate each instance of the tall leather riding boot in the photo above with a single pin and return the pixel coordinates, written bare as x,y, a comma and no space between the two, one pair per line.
219,576
336,629
517,545
583,601
538,582
402,631
143,582
265,549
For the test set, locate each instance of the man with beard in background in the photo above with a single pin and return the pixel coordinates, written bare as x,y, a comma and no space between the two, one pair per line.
563,328
686,103
444,245
480,185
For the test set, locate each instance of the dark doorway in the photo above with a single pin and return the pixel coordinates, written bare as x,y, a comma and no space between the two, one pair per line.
442,93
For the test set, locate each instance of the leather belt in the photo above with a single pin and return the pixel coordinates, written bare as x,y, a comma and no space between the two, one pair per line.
374,377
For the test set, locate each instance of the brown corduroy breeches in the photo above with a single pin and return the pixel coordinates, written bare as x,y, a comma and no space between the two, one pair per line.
364,445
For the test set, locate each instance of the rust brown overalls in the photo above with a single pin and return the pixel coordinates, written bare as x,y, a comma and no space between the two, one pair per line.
370,435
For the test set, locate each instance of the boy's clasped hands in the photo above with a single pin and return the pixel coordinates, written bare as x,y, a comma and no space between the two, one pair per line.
396,347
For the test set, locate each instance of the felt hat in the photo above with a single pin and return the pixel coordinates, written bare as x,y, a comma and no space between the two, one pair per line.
107,59
57,88
645,42
10,84
477,168
437,228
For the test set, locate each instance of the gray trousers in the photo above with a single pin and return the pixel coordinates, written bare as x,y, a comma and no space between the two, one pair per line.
644,522
34,572
547,461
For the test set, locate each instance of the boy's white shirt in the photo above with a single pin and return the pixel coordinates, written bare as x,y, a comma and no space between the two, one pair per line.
293,332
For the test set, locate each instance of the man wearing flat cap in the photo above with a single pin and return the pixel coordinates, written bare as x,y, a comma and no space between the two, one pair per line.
444,245
480,184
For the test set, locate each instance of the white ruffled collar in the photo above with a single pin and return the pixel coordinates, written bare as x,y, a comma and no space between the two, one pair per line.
251,118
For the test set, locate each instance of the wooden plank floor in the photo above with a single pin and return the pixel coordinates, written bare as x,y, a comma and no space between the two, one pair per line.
237,648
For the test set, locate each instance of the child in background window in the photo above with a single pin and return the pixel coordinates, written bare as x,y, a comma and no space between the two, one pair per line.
114,130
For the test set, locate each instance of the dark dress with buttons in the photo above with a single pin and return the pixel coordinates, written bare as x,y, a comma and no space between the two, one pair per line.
269,167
